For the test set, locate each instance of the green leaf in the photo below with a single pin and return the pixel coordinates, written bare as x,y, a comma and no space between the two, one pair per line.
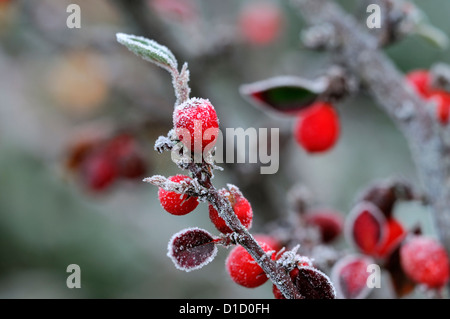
149,50
283,95
433,35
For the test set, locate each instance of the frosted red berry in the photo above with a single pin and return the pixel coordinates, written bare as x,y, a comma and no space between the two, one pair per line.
241,208
330,223
350,276
425,261
260,23
317,128
243,269
175,203
196,124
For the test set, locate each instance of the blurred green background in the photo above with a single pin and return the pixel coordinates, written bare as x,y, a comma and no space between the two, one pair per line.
56,81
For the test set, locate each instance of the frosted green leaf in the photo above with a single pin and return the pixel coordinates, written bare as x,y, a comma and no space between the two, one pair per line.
149,50
433,35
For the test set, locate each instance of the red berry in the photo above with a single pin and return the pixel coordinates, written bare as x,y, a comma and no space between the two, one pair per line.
276,292
317,128
420,80
443,106
241,207
79,150
260,23
269,240
350,276
425,261
98,171
125,151
330,223
196,124
243,269
132,166
175,203
120,145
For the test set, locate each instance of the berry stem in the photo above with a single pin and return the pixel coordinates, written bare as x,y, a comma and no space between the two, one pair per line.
276,273
180,84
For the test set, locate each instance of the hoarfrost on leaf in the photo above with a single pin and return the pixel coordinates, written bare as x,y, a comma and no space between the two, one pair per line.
191,249
149,50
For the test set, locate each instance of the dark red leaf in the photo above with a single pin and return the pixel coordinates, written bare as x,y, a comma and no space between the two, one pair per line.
314,284
365,227
401,283
191,249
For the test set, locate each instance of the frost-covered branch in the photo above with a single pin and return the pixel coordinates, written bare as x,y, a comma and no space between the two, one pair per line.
276,273
428,141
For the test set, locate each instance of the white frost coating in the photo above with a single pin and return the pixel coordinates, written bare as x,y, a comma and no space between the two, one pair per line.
191,187
193,102
234,189
149,50
174,260
290,259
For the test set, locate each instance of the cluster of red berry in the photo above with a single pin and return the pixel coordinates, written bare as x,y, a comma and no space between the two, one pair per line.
197,115
310,282
409,257
99,162
421,81
190,120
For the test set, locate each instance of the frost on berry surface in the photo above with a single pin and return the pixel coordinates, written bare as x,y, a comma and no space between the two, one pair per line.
196,124
350,275
191,249
241,208
243,269
425,261
172,197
